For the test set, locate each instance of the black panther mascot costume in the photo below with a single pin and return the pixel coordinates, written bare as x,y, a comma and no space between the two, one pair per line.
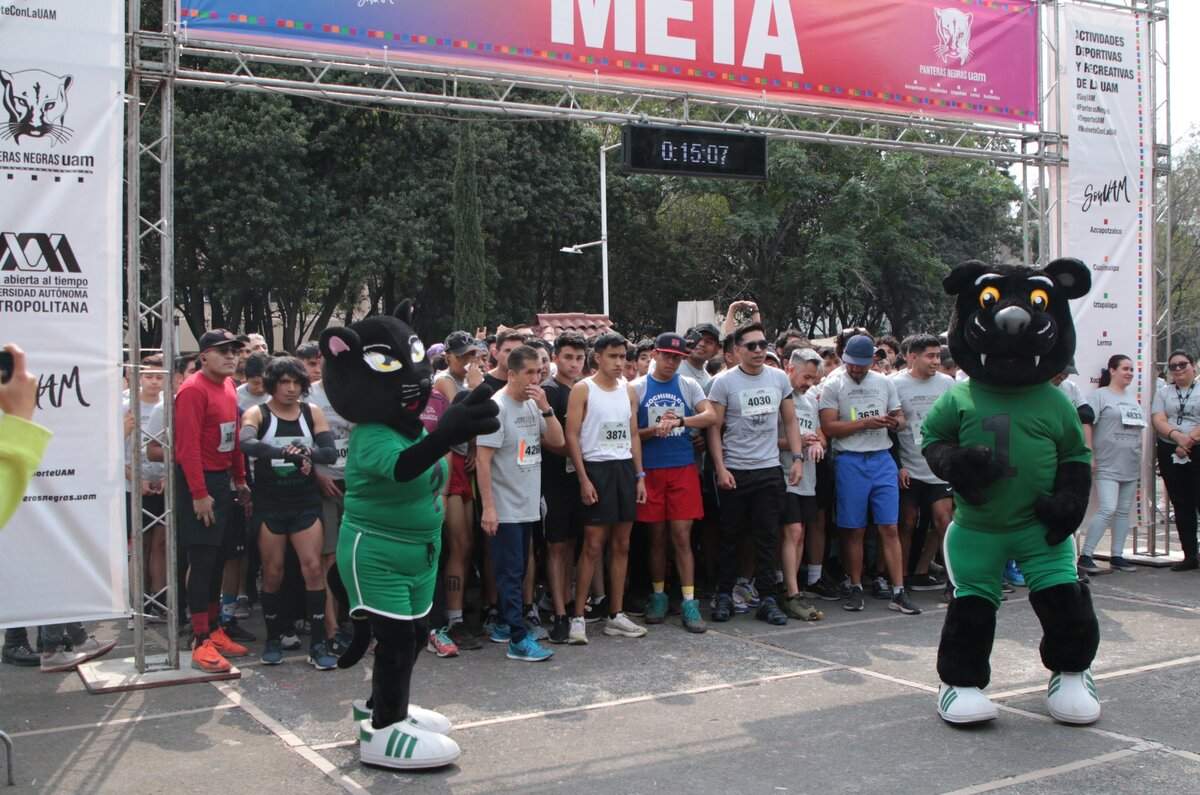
377,376
1011,445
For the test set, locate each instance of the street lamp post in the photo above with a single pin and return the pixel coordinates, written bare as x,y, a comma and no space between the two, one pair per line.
603,241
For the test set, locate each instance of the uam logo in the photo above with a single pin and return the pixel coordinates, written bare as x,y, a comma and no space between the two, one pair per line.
954,35
36,104
37,253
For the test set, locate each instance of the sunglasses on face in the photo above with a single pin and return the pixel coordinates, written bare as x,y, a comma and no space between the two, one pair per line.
756,345
1177,366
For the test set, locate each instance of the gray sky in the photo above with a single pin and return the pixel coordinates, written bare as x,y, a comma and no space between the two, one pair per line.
1185,69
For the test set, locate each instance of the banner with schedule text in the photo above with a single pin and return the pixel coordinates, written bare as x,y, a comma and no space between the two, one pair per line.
1110,188
62,555
973,59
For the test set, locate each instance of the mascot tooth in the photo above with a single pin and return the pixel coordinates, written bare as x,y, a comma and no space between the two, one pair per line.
376,376
1012,446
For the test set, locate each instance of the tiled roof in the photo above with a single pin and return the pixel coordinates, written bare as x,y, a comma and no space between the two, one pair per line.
549,326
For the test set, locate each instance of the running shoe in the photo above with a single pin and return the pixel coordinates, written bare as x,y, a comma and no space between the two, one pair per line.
924,582
903,604
692,621
656,608
724,608
320,658
1187,564
745,590
290,642
1006,588
440,644
501,633
339,643
880,589
635,606
20,654
621,626
797,608
823,589
1013,575
490,619
596,609
272,653
1086,564
226,645
533,625
205,657
464,638
1121,564
546,604
856,602
578,632
560,629
769,612
241,610
60,660
237,632
528,650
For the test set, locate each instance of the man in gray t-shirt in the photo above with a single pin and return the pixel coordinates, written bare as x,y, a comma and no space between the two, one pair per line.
858,408
918,387
750,400
509,474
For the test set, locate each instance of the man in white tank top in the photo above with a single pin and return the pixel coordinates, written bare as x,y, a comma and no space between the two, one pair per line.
603,441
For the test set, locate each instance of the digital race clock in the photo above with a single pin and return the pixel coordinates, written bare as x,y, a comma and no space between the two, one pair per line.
694,153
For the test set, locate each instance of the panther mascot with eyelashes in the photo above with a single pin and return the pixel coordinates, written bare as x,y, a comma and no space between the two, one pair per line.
377,376
1011,445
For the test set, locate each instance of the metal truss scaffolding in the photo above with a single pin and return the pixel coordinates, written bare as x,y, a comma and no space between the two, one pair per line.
159,61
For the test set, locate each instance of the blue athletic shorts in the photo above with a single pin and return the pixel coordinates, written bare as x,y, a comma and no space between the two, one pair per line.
867,480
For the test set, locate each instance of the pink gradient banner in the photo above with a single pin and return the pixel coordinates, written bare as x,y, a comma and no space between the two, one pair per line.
972,59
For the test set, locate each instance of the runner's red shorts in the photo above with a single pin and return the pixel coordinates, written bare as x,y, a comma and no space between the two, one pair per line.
672,493
460,481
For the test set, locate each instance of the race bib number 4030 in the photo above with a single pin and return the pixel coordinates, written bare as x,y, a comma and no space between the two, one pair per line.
755,402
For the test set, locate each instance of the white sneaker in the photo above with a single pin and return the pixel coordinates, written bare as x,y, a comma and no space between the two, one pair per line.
61,660
290,642
405,746
621,626
578,633
417,716
1072,698
963,705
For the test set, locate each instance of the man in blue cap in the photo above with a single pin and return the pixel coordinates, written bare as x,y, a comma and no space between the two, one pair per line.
858,408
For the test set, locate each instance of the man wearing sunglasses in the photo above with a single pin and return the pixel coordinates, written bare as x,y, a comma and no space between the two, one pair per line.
858,409
749,400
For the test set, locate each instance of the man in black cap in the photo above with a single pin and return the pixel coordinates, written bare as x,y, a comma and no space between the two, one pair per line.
704,341
670,405
208,458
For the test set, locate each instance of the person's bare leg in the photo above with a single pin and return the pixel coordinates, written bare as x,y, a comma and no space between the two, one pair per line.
592,551
681,542
853,552
618,565
657,533
459,515
558,571
889,542
943,513
790,543
910,512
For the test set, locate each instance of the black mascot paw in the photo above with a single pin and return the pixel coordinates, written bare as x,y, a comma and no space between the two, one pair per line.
1062,512
475,415
970,470
358,646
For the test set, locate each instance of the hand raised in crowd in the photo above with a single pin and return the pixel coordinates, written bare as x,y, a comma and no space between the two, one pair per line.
474,375
18,395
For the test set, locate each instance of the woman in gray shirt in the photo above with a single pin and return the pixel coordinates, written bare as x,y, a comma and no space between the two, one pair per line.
1117,446
1176,417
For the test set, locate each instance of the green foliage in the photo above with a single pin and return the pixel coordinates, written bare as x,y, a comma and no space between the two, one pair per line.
308,213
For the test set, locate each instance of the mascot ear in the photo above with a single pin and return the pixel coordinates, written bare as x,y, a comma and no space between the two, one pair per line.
1071,276
405,311
962,276
336,342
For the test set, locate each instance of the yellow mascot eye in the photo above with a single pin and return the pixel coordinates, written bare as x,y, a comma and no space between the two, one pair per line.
1040,299
382,362
989,297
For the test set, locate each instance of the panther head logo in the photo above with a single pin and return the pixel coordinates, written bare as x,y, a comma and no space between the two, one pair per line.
954,35
36,102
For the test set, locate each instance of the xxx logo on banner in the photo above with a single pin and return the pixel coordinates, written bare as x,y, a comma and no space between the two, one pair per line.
37,252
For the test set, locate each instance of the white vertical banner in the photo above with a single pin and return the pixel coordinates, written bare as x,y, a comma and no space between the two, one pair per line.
1105,91
62,555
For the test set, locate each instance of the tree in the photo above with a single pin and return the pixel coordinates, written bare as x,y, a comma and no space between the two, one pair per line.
473,282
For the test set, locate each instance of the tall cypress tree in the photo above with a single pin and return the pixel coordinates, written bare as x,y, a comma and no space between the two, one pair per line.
472,294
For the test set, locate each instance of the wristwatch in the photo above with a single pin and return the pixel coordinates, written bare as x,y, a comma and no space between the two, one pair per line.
548,413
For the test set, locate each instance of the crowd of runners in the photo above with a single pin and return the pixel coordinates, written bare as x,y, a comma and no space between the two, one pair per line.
705,475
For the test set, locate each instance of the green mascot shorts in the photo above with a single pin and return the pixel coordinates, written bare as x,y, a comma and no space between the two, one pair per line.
975,560
386,575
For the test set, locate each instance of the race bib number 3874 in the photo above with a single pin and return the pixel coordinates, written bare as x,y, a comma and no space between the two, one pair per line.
614,436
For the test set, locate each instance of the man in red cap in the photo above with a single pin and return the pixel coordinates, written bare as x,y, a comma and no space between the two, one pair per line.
207,459
670,405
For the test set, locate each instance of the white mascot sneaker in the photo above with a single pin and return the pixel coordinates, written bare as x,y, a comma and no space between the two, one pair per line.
964,705
405,747
1072,698
417,716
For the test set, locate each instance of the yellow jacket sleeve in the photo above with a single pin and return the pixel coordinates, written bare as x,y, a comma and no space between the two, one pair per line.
22,444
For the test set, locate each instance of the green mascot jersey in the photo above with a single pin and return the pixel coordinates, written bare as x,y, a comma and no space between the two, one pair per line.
376,504
1030,430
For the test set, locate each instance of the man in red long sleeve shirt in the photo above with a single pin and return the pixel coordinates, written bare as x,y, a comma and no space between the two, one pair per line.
207,459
